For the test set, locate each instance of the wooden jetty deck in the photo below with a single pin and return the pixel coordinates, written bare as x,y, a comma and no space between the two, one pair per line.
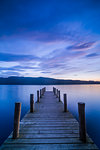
48,128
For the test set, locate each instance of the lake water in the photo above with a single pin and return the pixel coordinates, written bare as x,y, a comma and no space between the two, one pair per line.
90,94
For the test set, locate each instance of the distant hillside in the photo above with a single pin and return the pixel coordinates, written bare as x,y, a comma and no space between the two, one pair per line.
41,81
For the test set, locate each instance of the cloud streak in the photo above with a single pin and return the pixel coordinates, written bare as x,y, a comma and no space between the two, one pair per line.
81,46
17,58
92,55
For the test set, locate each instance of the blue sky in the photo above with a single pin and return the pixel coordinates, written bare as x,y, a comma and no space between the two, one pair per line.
50,38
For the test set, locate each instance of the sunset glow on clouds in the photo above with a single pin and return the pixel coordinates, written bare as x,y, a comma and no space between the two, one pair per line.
57,38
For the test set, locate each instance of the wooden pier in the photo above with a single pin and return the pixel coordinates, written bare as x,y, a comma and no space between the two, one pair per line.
49,127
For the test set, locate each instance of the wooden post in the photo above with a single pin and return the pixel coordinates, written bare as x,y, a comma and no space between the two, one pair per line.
59,95
55,91
65,102
31,103
16,120
40,93
82,126
38,98
44,89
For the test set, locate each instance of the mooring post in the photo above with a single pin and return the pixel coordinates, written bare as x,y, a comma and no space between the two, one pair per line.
65,102
53,89
31,103
45,89
38,98
16,120
82,125
59,95
55,92
40,93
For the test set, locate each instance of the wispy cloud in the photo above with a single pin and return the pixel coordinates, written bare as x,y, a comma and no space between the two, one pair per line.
81,46
20,58
92,55
9,73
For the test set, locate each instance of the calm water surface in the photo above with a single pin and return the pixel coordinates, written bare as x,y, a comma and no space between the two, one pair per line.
90,94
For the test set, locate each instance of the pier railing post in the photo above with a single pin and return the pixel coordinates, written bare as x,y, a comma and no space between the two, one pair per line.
65,102
59,95
82,125
16,120
31,103
40,93
44,89
54,91
38,98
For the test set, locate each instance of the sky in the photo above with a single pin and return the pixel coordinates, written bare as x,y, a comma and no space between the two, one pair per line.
50,38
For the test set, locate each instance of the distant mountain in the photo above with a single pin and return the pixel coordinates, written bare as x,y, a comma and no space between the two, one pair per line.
41,81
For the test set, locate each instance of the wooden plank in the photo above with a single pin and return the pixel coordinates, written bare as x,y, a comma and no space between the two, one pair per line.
49,147
46,140
46,135
57,131
50,123
49,127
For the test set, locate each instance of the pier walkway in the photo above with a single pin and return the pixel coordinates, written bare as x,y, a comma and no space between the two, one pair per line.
48,128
